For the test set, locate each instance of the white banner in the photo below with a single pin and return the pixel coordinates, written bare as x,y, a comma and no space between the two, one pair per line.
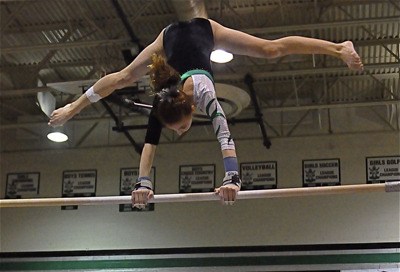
259,175
321,172
382,169
128,179
22,185
196,178
79,183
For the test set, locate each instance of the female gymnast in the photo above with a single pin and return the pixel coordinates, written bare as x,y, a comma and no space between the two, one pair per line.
187,46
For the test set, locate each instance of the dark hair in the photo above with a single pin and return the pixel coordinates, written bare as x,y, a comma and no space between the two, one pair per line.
172,103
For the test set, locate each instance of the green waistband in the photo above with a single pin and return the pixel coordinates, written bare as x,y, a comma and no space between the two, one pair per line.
196,72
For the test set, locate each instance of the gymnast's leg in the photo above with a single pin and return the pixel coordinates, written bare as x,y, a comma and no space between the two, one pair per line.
241,43
303,45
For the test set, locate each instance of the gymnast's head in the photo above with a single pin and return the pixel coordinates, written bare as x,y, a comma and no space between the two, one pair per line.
174,108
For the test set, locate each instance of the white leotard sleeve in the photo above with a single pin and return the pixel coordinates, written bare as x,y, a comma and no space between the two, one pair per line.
206,101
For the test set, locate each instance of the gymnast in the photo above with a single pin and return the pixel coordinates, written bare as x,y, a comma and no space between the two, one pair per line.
186,47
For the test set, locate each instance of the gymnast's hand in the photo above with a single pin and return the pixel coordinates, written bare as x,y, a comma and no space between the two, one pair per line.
60,116
227,193
230,187
140,197
142,192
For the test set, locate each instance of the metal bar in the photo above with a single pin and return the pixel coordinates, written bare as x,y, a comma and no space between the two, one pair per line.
64,45
302,72
248,79
295,90
370,32
383,119
333,106
226,76
298,123
13,15
198,197
396,5
233,121
120,125
386,89
194,124
321,25
171,16
23,92
125,21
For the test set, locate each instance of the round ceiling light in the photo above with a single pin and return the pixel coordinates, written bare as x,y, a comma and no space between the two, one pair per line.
221,56
57,137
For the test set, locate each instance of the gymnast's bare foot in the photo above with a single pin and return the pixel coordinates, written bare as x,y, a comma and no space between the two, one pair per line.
349,55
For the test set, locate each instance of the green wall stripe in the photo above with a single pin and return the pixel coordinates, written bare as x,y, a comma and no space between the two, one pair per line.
204,262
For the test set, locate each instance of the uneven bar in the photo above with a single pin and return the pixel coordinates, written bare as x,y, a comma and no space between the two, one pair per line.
196,197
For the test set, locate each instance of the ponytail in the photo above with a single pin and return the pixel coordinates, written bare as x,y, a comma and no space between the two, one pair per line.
161,74
173,104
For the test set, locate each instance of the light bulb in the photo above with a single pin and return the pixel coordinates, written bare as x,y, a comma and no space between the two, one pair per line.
58,137
221,56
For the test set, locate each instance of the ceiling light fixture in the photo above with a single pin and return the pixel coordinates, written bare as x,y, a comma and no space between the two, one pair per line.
57,137
221,56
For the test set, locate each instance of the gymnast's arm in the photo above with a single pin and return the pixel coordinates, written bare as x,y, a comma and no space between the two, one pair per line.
231,183
146,159
209,104
108,84
143,189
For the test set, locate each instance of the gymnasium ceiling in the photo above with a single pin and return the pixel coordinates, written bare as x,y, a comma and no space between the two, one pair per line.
53,45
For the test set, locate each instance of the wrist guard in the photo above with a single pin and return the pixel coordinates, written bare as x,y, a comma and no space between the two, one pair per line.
143,183
232,177
92,96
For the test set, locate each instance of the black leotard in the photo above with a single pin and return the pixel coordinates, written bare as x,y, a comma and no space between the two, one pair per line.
187,46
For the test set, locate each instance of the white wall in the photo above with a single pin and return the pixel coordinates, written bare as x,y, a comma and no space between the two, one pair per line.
363,218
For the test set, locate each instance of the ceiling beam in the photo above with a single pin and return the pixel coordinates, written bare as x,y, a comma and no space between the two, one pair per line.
372,42
80,23
24,92
333,106
13,15
254,31
264,109
63,45
90,62
239,77
322,25
54,64
302,72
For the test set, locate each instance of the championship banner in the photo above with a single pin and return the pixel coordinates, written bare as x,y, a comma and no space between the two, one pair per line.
324,172
259,175
196,178
383,169
78,183
22,185
128,179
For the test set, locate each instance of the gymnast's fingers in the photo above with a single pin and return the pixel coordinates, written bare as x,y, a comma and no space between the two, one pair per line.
139,199
150,195
231,192
59,116
228,194
218,192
